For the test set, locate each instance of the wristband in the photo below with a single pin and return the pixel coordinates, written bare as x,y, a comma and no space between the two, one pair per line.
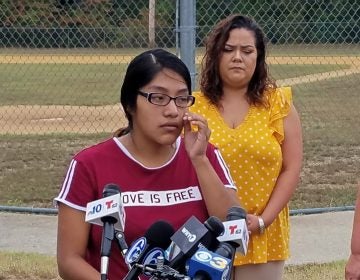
261,225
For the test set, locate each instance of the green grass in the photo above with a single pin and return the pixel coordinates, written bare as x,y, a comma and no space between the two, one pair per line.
61,84
274,50
27,266
309,50
91,84
33,167
327,271
281,71
36,164
31,266
314,50
72,51
330,119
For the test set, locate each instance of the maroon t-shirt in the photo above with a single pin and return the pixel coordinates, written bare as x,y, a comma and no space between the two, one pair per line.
170,192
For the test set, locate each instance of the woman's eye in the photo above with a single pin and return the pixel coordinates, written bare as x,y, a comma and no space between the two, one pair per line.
158,98
248,51
183,99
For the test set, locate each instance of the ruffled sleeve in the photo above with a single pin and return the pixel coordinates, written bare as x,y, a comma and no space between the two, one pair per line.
280,105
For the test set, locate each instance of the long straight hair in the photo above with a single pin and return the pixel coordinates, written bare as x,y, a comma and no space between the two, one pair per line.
141,71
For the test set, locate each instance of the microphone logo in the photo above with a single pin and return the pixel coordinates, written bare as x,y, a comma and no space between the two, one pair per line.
106,207
213,260
205,262
135,250
102,206
203,256
233,229
191,237
152,257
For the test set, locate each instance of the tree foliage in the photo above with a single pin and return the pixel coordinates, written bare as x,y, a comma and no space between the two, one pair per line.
120,23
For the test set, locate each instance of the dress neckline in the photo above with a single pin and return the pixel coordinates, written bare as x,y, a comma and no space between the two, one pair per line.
241,124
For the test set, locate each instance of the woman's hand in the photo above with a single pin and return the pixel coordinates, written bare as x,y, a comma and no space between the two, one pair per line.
252,223
352,269
196,140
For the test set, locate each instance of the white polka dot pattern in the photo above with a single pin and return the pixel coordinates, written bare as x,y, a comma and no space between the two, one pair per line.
252,152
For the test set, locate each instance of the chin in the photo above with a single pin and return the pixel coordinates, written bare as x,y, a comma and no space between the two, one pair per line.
168,139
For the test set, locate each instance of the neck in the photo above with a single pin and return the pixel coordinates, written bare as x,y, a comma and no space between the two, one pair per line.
230,92
234,96
149,154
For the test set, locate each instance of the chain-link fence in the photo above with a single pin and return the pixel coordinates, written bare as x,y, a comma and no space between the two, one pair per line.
62,63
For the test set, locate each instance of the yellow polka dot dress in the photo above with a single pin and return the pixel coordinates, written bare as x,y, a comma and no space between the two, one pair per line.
253,153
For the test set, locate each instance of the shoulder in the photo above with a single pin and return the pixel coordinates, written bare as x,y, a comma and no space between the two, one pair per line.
96,150
279,96
201,105
280,104
200,99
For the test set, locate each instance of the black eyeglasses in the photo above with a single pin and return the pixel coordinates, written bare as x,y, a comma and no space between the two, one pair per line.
162,99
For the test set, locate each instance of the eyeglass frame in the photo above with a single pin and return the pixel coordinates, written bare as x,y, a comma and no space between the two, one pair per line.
148,96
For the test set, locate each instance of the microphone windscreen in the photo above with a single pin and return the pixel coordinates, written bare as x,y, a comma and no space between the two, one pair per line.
110,189
214,225
159,233
235,213
226,250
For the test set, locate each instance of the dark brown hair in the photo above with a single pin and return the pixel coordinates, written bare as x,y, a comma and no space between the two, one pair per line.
141,71
210,80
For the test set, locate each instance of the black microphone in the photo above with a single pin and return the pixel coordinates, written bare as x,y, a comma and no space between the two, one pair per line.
236,232
108,232
192,235
215,228
235,236
157,238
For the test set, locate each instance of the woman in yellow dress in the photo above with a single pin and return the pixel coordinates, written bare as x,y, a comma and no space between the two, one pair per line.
258,131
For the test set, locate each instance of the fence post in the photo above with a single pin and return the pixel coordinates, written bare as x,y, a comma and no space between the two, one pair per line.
187,35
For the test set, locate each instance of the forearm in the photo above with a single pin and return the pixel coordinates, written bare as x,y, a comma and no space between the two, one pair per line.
76,268
218,199
352,269
72,245
288,179
355,239
285,187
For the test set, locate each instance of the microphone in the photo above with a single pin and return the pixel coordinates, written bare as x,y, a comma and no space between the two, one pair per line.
207,265
108,206
106,212
236,232
147,248
192,235
215,228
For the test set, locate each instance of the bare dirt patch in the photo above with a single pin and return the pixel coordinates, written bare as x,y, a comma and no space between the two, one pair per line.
37,119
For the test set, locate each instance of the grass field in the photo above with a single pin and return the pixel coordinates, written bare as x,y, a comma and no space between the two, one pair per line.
92,84
32,166
277,49
29,266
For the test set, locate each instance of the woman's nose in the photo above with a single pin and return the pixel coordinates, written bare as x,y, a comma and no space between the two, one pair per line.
237,55
171,109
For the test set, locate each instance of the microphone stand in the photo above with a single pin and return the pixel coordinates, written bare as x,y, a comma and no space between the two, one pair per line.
107,238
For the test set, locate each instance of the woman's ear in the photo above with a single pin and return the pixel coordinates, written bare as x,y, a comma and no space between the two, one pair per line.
129,110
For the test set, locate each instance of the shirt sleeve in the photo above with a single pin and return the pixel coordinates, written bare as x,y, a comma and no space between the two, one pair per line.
280,105
77,189
220,167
